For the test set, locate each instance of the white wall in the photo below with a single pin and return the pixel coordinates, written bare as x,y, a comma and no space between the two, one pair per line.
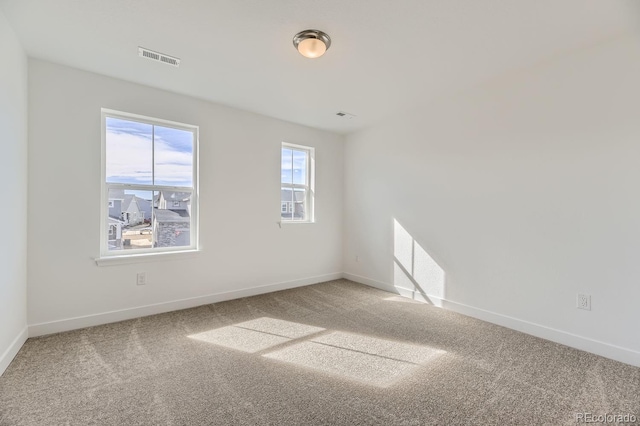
242,246
525,192
13,173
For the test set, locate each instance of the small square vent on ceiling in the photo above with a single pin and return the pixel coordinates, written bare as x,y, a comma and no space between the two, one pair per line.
159,57
345,115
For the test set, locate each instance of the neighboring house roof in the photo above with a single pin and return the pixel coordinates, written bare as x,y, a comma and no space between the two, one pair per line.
181,212
116,194
165,199
115,220
166,216
285,195
144,205
128,200
175,195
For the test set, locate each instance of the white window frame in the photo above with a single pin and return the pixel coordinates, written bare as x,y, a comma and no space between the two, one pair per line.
105,253
309,187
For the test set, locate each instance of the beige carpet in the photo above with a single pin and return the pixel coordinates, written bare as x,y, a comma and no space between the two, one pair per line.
333,353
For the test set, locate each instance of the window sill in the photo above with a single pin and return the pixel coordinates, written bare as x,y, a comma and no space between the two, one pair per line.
296,222
146,257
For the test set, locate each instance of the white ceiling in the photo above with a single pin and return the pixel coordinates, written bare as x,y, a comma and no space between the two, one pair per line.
385,56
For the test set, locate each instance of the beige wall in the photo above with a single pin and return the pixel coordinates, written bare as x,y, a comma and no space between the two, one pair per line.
243,248
525,192
13,174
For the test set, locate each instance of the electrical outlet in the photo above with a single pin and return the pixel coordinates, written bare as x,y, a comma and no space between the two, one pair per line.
584,301
141,278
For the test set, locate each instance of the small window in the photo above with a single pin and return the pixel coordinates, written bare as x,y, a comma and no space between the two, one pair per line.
296,183
150,168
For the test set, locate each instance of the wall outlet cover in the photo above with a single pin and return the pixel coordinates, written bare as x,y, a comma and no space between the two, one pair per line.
584,301
141,278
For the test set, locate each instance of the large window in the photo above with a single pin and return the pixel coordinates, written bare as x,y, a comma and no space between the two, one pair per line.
296,183
149,201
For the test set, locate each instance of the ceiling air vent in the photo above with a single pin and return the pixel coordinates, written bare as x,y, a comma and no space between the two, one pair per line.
345,115
157,56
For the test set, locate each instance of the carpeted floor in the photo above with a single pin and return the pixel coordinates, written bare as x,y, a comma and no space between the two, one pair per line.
333,353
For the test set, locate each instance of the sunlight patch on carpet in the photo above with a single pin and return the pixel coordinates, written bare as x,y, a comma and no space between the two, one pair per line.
256,335
292,330
374,361
240,339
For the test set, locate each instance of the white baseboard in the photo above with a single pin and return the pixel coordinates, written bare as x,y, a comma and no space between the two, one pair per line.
426,298
12,350
404,292
604,349
371,283
607,350
159,308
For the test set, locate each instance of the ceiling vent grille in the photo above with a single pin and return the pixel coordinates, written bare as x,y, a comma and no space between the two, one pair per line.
159,57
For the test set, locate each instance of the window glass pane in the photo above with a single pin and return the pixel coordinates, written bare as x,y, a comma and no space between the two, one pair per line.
299,204
128,151
286,166
129,219
173,157
172,218
151,185
286,206
299,167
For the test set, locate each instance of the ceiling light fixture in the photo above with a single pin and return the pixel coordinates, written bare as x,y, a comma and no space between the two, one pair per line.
312,43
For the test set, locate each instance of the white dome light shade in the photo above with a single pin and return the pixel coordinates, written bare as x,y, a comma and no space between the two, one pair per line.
311,43
312,48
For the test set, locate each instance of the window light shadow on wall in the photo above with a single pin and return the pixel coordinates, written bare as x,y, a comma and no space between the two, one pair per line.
415,274
369,360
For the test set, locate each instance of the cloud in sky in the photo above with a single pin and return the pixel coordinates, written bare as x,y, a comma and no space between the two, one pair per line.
131,150
172,166
293,166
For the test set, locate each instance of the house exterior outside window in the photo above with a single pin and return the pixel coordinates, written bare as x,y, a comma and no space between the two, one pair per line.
149,185
297,183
